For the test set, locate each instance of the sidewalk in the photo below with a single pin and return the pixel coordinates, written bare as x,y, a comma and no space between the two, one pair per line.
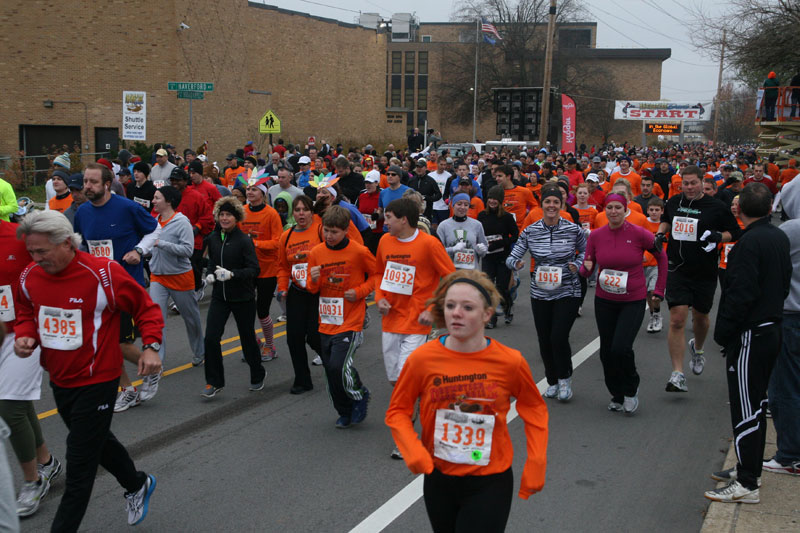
779,510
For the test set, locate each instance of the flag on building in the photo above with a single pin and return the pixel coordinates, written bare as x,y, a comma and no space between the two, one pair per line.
489,30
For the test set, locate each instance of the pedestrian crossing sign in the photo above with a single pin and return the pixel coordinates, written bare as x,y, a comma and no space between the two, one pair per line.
269,123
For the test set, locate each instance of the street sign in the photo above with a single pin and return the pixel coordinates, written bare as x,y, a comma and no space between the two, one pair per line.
190,86
191,95
662,128
269,123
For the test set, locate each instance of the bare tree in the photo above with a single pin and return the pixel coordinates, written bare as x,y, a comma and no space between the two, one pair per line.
761,36
515,61
737,115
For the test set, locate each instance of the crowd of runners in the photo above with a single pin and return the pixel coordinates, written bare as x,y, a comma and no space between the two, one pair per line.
436,241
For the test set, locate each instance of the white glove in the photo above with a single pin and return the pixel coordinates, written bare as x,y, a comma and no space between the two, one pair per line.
481,248
223,274
210,279
457,247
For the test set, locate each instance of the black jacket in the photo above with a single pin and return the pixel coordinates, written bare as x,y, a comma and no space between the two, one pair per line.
351,185
756,283
429,190
415,142
501,232
237,254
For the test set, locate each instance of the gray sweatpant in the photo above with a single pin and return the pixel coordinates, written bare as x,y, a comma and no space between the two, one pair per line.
190,313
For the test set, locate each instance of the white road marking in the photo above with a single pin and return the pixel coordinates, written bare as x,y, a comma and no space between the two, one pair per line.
400,502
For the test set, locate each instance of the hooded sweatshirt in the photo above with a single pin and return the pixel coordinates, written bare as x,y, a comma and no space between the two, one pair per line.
790,198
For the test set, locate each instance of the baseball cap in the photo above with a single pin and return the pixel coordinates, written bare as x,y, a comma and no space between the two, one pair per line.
123,171
178,174
305,160
230,157
466,180
597,159
373,176
161,152
421,162
593,177
737,176
75,181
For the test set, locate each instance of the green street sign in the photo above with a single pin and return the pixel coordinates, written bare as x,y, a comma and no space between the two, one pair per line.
191,95
190,86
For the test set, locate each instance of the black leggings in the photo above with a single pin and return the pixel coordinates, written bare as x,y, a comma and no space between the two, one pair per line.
494,265
618,323
265,290
554,319
465,504
302,326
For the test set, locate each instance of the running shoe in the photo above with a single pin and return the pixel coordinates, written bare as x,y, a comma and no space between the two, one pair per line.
509,317
658,322
630,404
651,324
343,422
730,475
210,391
677,383
51,470
137,503
396,454
317,361
198,360
255,387
126,398
366,320
793,469
698,359
564,390
174,308
733,492
281,318
360,408
149,386
551,392
31,495
268,354
492,323
580,311
615,407
199,293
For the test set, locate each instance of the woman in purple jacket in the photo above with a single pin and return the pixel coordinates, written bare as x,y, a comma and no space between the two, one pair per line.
616,250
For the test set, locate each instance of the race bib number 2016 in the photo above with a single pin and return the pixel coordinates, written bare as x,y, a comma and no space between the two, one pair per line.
398,278
684,229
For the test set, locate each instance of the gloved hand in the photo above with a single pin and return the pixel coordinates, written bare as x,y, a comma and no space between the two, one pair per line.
712,236
223,274
457,247
481,248
375,216
659,241
210,279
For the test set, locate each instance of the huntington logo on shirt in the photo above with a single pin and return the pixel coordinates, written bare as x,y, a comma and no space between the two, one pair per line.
458,378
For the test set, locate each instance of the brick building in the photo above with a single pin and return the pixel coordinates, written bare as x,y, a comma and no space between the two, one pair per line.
65,74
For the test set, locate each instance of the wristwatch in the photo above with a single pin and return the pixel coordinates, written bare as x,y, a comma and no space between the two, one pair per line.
141,252
153,346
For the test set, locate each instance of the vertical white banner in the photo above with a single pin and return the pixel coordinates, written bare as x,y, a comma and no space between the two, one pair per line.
134,115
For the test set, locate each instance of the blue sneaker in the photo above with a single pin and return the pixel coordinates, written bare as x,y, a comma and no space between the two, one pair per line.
360,408
343,422
137,502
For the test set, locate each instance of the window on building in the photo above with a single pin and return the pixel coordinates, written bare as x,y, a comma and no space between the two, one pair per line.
421,118
426,39
409,122
410,62
397,62
423,63
409,98
396,91
422,98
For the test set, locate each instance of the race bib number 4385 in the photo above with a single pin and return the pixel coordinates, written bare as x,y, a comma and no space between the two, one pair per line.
60,329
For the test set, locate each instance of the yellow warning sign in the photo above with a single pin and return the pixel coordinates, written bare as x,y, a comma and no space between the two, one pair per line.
269,123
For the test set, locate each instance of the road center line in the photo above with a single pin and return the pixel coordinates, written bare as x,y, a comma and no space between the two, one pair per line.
400,502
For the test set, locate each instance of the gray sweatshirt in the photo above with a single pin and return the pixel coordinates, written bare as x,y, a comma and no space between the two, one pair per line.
175,246
792,230
460,238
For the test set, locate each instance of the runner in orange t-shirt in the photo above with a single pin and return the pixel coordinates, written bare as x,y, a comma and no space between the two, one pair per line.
465,382
655,207
517,200
625,172
343,273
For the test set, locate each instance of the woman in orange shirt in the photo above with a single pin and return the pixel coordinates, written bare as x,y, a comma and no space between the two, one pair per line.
464,382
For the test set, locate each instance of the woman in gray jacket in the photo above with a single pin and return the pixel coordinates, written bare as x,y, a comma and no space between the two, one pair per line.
171,269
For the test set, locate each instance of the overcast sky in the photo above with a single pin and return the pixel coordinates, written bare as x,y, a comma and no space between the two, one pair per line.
620,24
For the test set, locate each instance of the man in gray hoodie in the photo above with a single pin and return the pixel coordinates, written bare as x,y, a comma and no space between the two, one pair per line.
784,385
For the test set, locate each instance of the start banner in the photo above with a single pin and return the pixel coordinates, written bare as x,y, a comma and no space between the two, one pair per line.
637,110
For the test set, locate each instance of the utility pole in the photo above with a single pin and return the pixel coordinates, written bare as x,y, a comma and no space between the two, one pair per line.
719,87
548,67
475,85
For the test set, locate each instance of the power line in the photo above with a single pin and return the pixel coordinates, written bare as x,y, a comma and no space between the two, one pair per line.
332,7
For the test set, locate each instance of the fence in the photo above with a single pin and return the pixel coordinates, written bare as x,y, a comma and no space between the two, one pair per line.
786,109
32,170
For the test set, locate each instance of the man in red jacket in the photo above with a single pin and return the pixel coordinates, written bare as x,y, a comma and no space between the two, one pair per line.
78,332
199,184
196,208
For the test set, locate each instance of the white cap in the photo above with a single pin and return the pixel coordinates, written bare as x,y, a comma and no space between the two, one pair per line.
373,176
202,157
593,177
305,160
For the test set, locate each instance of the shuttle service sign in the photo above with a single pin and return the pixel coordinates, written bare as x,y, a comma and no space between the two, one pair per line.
655,111
134,115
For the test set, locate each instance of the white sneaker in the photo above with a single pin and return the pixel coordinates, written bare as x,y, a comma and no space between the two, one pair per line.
149,386
396,454
126,398
564,390
281,318
698,359
677,382
657,322
615,407
651,324
630,404
137,503
317,361
733,492
551,392
31,495
793,469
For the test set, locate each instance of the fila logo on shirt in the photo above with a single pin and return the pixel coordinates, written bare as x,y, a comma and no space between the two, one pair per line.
11,258
76,300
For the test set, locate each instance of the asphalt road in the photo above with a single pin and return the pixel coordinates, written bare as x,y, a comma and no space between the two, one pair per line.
270,461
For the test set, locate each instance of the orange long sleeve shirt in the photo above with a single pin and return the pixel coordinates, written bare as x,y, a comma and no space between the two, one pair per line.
416,267
351,267
634,179
265,228
518,201
293,248
482,383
